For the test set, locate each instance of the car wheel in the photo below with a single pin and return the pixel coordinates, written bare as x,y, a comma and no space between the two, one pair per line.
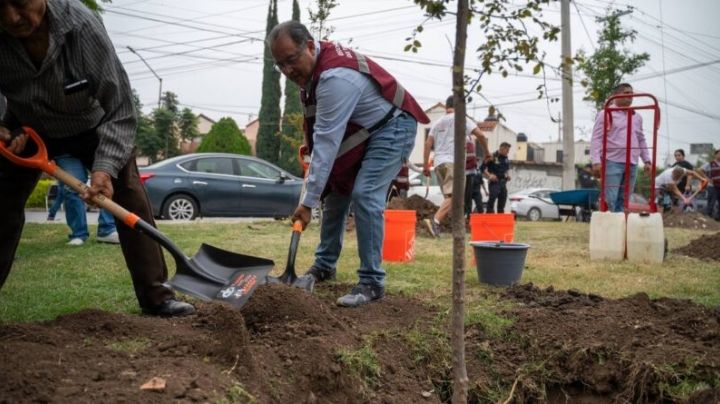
534,215
180,207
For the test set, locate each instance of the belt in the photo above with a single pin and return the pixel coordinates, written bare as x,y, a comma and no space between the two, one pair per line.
390,115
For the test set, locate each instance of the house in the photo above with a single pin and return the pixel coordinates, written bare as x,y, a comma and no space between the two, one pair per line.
251,131
554,151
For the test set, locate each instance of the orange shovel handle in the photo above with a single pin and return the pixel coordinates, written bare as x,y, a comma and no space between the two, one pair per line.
41,162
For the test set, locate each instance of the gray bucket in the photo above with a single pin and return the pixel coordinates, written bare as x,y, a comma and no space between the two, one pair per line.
500,264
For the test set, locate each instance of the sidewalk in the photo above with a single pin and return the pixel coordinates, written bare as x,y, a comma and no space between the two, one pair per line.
40,216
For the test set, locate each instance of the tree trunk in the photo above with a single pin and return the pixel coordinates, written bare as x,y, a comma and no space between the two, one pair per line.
460,378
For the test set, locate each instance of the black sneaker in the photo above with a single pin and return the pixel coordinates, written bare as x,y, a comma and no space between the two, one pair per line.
322,274
361,294
170,308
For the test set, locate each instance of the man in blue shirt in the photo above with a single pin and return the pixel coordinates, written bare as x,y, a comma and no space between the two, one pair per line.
497,171
337,96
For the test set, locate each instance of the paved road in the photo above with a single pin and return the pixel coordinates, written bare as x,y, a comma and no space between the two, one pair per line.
40,216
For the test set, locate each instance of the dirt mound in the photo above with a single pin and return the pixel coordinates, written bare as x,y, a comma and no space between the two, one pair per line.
705,247
424,209
576,347
690,220
290,346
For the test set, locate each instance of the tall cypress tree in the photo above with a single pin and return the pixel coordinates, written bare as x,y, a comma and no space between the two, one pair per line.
291,136
268,143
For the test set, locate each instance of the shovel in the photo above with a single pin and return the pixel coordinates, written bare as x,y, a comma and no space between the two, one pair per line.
289,277
211,274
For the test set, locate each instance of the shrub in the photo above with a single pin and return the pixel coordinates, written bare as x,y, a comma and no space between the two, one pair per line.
37,198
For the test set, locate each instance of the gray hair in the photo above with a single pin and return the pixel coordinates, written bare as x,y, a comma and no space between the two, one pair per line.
295,30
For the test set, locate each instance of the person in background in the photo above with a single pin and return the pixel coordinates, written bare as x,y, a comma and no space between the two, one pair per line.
75,208
667,190
586,178
615,169
497,171
61,76
441,140
681,162
711,170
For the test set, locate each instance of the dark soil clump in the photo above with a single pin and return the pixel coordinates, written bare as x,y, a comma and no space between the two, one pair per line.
424,209
706,247
690,220
287,345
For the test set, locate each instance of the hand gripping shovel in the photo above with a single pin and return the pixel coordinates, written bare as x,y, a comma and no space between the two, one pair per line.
289,277
212,273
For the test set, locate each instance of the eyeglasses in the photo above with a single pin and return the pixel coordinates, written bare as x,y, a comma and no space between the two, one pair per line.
291,61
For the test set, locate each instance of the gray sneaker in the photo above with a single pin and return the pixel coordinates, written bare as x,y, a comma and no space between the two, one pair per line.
112,238
361,294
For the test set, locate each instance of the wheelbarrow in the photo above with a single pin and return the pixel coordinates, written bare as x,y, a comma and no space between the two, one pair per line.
576,202
211,274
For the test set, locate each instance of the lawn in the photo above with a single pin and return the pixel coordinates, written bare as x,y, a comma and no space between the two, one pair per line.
50,278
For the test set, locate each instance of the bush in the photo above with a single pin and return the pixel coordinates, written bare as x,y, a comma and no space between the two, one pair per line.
37,198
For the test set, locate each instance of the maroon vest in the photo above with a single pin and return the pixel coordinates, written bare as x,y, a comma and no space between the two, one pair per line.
714,174
352,149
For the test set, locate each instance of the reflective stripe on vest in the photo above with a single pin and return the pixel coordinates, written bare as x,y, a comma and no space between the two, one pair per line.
352,141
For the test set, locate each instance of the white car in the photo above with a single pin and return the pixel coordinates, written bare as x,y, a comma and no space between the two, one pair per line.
534,204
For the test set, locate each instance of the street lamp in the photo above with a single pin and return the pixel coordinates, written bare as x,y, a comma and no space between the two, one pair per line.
153,72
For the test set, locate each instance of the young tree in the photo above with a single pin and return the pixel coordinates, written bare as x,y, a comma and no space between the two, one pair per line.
291,136
225,137
607,66
268,143
508,45
318,19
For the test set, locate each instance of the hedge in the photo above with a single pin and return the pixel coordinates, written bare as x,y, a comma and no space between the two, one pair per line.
37,198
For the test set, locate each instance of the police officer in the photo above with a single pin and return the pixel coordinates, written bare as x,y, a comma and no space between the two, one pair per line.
497,173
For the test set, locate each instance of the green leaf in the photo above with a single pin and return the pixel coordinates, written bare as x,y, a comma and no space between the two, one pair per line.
417,43
407,47
537,68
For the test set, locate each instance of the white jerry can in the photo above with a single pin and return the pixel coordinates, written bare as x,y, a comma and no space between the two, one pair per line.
607,236
645,238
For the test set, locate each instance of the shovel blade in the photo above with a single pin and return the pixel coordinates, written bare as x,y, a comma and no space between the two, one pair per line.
217,274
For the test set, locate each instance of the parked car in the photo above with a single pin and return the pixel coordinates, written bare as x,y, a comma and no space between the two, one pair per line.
219,184
534,204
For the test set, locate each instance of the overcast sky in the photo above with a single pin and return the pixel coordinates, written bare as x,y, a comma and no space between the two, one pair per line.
209,53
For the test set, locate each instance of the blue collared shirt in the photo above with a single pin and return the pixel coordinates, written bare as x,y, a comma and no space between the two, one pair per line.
342,95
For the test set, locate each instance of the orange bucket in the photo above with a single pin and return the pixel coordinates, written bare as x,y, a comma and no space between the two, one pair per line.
492,227
399,241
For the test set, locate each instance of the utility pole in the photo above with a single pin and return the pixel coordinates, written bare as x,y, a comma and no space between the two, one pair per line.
568,178
153,72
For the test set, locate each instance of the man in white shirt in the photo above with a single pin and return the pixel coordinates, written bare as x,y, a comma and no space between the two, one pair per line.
666,186
441,140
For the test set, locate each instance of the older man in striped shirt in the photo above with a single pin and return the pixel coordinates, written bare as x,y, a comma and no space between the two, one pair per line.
62,77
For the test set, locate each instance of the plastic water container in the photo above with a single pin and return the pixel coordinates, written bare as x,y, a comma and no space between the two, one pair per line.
399,241
492,227
645,238
607,236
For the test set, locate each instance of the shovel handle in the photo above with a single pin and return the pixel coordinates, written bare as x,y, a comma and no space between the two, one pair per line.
41,162
297,226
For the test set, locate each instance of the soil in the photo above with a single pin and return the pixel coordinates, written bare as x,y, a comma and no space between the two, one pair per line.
705,247
690,220
289,346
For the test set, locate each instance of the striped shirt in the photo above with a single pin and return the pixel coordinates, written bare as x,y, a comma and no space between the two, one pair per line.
79,48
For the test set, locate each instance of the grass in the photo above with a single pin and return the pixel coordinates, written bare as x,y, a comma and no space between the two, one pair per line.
361,362
49,279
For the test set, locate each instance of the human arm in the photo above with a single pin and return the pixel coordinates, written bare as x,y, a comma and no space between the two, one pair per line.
477,132
596,143
642,144
429,142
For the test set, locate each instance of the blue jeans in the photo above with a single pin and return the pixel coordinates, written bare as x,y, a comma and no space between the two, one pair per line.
75,207
615,184
386,150
59,199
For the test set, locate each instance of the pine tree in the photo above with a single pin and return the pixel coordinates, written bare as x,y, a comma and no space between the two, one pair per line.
292,135
268,143
225,137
